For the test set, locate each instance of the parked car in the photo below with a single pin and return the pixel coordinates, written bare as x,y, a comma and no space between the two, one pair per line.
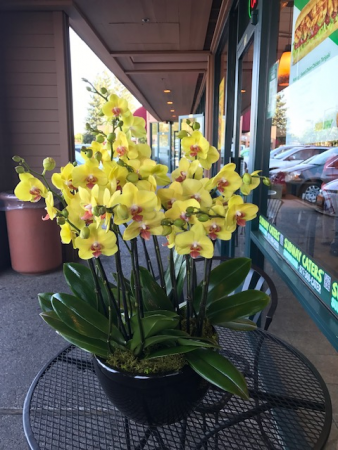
294,155
305,180
327,199
282,148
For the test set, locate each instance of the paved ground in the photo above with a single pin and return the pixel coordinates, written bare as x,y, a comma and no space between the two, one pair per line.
27,343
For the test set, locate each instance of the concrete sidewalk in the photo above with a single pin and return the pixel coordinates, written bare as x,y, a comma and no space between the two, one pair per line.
27,343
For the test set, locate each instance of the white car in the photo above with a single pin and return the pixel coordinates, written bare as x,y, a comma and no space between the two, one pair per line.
292,157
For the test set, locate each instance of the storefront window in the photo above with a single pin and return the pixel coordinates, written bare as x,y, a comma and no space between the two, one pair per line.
303,93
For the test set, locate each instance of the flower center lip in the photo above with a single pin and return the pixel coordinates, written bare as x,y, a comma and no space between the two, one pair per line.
116,111
96,248
194,150
36,192
91,180
121,151
195,250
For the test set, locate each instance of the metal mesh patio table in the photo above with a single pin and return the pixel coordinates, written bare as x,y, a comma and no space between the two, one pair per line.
289,406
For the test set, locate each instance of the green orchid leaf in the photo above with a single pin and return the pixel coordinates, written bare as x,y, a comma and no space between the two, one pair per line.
195,342
162,313
176,333
219,371
81,317
80,280
91,345
171,351
152,326
159,339
224,279
180,271
154,298
240,325
45,301
243,304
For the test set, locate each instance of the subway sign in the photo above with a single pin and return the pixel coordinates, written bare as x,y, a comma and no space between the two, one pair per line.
252,6
314,276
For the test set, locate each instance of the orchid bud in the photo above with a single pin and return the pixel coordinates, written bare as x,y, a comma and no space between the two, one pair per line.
98,156
85,233
49,163
132,177
96,211
85,80
120,124
123,211
165,222
266,181
190,209
88,152
247,178
102,210
19,169
103,90
111,137
100,138
203,217
182,134
166,230
65,213
179,223
17,159
188,121
60,220
89,89
196,126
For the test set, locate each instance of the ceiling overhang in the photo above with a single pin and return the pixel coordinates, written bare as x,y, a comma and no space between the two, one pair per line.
150,46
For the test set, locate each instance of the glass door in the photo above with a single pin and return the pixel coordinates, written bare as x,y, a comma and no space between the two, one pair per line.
182,125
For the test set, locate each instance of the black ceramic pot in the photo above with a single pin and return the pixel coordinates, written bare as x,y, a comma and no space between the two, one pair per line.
152,400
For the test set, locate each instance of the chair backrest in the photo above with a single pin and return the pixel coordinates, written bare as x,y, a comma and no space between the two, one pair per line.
256,279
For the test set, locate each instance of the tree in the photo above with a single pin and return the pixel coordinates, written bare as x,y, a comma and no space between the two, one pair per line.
113,85
279,120
78,138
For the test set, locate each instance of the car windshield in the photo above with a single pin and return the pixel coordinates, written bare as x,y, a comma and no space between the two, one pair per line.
319,160
287,153
279,150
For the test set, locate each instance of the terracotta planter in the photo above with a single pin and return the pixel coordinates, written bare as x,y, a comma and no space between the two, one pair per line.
34,244
152,400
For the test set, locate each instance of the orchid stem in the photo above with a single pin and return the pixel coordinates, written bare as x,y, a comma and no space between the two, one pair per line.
111,297
137,287
189,299
98,293
173,279
149,265
205,288
159,262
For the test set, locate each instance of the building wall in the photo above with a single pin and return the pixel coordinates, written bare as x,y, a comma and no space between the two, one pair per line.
35,100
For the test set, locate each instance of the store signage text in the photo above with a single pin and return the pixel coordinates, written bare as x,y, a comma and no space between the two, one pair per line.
311,273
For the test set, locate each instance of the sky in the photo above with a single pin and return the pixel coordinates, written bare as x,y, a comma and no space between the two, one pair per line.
85,64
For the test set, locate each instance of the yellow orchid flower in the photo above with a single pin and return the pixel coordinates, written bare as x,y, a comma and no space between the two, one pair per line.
239,212
115,106
64,181
168,196
159,171
143,151
227,180
145,228
67,234
80,211
98,243
179,210
216,228
140,204
187,169
30,189
51,210
89,174
194,243
135,126
250,182
195,146
123,147
195,189
211,158
117,175
109,201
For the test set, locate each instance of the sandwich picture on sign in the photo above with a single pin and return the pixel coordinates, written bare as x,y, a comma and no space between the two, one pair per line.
316,22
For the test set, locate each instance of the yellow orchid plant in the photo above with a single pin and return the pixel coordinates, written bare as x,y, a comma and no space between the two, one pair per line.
121,200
